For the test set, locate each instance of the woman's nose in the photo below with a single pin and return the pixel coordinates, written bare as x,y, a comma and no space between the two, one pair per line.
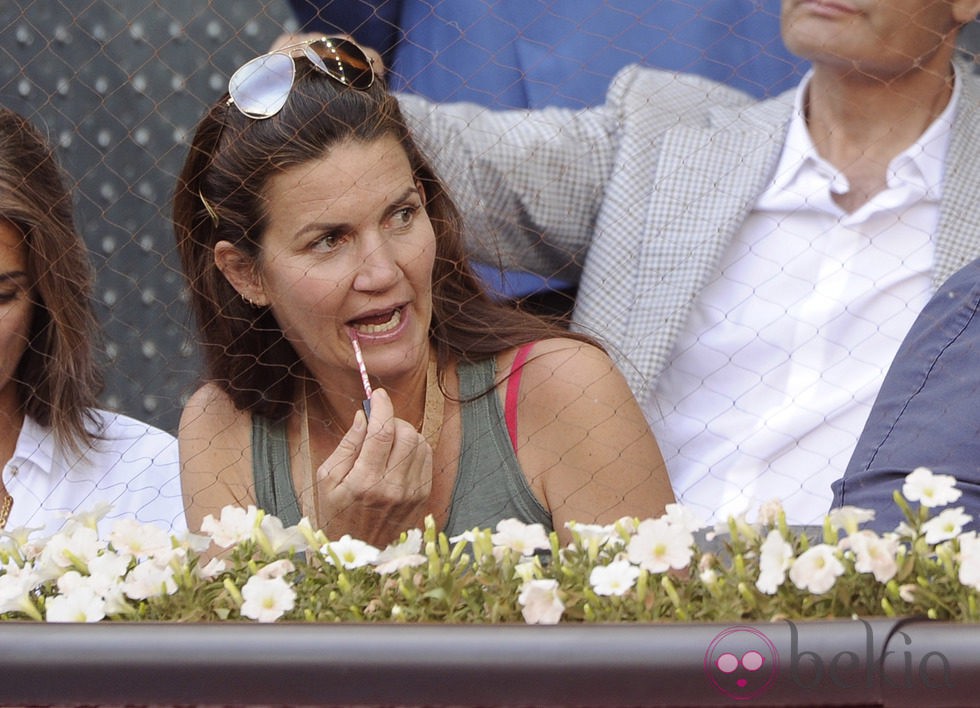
379,269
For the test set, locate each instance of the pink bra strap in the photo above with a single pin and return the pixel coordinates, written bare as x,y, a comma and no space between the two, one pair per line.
513,387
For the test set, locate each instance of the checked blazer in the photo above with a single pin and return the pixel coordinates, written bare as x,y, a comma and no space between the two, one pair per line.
637,199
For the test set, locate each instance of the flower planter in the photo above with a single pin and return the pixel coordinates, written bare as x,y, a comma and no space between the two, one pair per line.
636,613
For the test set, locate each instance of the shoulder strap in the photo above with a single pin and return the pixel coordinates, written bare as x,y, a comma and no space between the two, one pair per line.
274,490
513,387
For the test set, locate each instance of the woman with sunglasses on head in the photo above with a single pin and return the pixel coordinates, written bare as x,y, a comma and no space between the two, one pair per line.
325,265
60,453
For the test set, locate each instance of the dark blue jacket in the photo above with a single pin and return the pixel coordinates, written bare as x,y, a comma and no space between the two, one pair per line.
927,413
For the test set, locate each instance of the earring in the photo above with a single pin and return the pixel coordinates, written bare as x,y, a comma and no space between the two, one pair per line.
249,300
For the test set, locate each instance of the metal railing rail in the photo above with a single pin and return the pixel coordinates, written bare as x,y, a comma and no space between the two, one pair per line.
839,662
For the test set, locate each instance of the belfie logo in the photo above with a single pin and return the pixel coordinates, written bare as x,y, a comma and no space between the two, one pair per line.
741,662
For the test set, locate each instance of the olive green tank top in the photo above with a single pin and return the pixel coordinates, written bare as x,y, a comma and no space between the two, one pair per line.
490,485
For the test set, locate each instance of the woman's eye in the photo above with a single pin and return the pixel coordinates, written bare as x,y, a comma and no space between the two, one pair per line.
6,297
404,216
327,242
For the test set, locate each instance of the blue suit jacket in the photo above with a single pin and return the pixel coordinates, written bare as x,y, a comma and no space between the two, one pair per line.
927,413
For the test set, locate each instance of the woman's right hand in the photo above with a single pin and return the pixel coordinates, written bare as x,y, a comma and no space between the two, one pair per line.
377,482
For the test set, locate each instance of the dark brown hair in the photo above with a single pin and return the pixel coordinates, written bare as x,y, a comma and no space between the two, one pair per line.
217,198
57,379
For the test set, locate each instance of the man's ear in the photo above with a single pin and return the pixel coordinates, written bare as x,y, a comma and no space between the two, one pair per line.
239,270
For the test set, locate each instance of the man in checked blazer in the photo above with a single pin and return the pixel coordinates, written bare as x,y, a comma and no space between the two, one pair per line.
752,265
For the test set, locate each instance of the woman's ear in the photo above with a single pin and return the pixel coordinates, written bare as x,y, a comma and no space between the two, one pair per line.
239,270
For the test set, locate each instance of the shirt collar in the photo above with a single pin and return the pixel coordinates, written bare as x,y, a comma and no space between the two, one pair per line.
35,445
920,165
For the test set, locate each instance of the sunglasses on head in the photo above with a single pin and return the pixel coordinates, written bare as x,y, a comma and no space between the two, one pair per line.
259,88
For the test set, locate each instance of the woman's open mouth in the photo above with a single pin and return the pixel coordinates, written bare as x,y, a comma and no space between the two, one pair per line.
378,323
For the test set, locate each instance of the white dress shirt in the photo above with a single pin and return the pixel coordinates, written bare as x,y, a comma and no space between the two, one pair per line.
773,378
134,467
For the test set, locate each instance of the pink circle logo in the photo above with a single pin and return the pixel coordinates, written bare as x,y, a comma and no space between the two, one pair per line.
741,662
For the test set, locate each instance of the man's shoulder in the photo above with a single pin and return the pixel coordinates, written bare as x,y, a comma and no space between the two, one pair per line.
637,83
664,97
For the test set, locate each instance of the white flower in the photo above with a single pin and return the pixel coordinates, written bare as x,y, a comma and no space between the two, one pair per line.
770,511
139,540
18,541
214,568
280,538
16,585
775,558
617,578
89,518
743,528
849,518
817,569
235,526
404,554
148,579
276,569
70,549
267,599
105,580
708,576
176,557
522,538
601,534
948,524
196,542
109,566
72,580
627,525
659,546
540,602
903,530
682,517
907,591
930,489
350,552
82,604
874,554
468,536
969,558
526,570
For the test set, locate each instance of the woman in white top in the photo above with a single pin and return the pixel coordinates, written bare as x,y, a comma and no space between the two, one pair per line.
60,453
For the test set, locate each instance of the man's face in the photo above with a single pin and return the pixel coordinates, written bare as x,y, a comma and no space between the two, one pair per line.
880,38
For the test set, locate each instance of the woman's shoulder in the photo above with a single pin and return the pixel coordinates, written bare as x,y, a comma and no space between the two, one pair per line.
556,364
210,413
546,353
212,400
